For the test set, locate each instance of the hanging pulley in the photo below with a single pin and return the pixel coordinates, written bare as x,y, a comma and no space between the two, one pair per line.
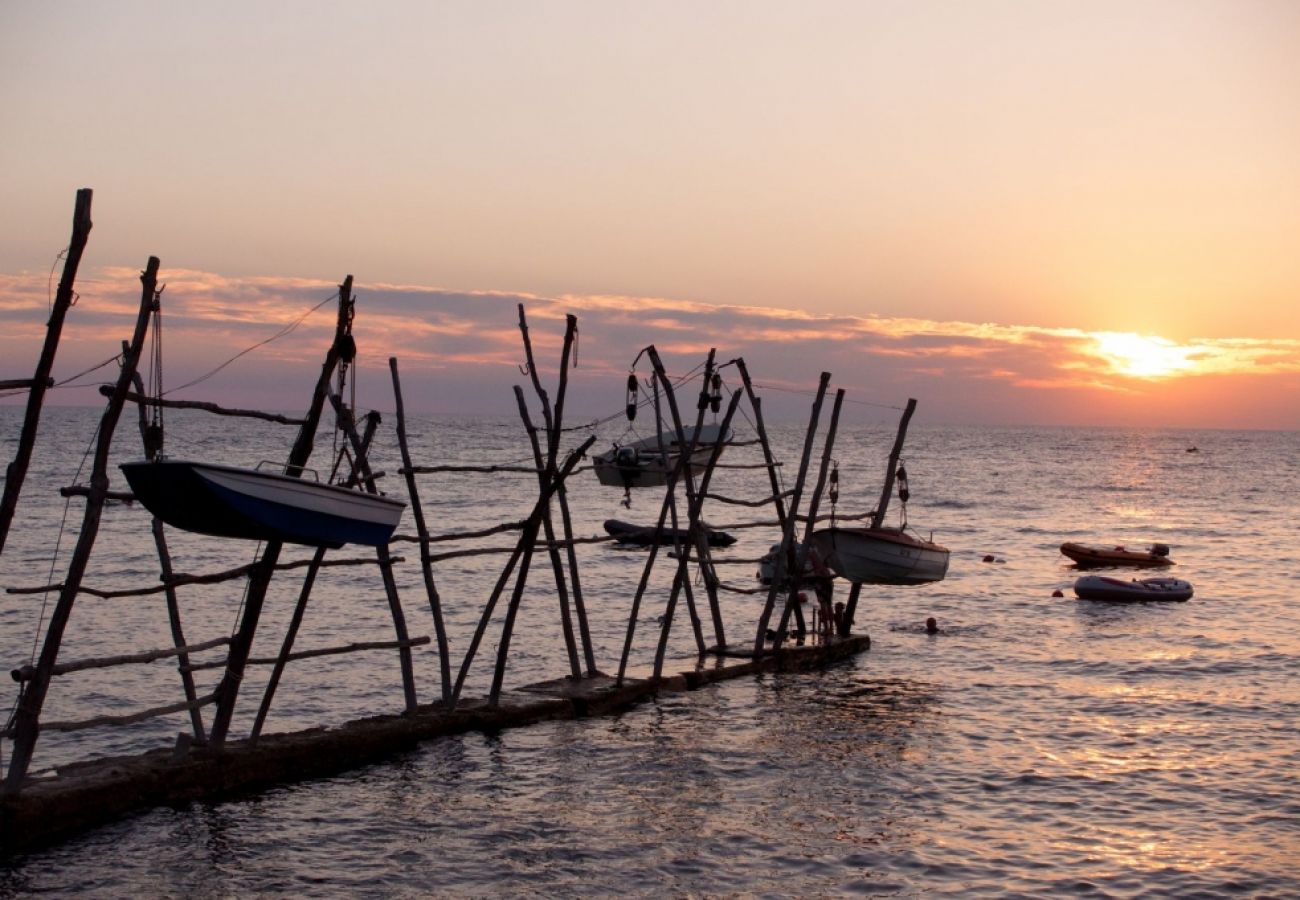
154,435
631,396
715,397
347,348
153,440
903,492
835,484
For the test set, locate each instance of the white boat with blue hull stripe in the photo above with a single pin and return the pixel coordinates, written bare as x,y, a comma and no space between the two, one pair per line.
258,504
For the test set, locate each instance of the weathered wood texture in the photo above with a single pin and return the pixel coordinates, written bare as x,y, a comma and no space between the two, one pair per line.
139,397
422,530
100,791
16,472
28,712
787,530
361,470
259,581
895,452
796,571
26,673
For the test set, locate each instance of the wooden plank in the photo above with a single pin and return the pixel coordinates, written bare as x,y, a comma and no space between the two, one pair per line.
25,673
130,719
23,384
140,398
355,647
183,579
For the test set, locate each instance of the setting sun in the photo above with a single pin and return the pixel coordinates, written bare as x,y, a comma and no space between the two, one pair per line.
1140,356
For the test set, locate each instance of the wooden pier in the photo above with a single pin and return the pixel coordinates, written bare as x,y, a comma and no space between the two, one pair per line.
85,794
228,755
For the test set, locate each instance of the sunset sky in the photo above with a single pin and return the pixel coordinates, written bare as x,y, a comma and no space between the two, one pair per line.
1016,212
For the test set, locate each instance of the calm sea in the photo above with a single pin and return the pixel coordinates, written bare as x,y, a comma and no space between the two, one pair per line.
1036,746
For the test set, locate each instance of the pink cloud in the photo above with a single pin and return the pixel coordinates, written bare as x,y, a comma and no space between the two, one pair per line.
461,349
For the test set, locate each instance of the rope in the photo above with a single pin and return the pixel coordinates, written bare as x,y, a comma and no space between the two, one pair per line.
66,383
49,579
248,583
647,402
808,393
279,334
49,285
45,600
95,368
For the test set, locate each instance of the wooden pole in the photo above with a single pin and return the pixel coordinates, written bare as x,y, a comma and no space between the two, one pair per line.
694,535
683,577
422,530
141,400
579,605
16,472
286,647
695,514
680,545
787,532
643,583
28,713
178,631
770,464
526,539
554,428
361,467
850,609
879,518
562,499
669,506
165,574
508,628
796,574
553,424
260,578
557,563
547,487
768,456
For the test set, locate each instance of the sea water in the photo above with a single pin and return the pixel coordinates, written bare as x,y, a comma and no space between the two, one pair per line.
1036,745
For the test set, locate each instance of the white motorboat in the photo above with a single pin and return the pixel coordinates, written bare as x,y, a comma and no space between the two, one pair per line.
259,504
648,462
881,555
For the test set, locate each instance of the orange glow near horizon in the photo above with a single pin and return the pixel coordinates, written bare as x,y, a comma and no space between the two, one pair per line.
967,369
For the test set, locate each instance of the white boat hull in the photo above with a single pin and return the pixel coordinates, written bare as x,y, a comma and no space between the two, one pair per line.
648,462
259,505
881,556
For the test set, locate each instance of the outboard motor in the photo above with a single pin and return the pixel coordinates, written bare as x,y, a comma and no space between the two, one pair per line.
628,461
627,457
